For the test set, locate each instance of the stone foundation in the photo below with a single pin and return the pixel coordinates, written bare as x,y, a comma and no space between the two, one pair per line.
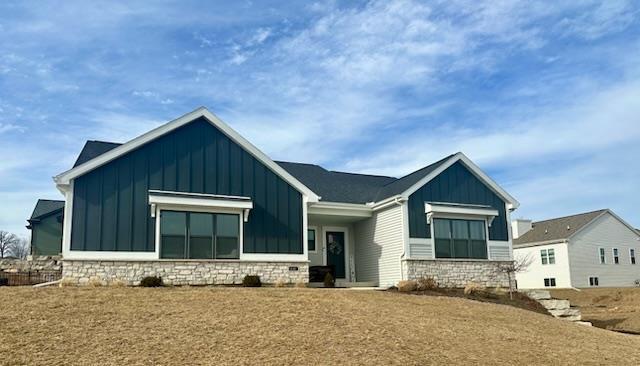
33,264
80,272
457,273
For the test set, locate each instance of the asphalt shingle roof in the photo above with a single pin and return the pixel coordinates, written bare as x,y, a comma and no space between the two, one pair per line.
44,207
94,149
556,229
332,186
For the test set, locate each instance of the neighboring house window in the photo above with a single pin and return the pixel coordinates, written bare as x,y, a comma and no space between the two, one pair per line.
616,259
593,281
311,240
549,282
548,256
632,256
198,235
603,259
460,238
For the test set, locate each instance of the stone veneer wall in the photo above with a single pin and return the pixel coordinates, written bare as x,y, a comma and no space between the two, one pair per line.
37,263
81,272
457,273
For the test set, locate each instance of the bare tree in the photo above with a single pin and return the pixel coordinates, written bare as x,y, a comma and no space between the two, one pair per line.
518,265
20,249
7,241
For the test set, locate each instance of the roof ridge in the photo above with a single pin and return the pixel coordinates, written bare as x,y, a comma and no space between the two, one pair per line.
366,175
106,142
418,170
46,199
573,215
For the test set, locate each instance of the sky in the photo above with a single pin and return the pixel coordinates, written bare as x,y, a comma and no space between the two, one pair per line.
543,96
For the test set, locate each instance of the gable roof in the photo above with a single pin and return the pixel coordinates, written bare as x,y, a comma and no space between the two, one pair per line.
64,179
46,207
330,186
561,228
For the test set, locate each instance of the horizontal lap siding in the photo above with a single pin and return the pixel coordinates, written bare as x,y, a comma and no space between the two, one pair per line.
456,185
111,210
379,246
606,232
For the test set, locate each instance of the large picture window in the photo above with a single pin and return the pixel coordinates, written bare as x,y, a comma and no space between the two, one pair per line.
197,235
460,238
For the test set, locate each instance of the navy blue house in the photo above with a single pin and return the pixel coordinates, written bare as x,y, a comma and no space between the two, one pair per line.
196,203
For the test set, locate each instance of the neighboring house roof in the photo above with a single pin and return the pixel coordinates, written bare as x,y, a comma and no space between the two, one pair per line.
45,207
557,229
330,186
94,149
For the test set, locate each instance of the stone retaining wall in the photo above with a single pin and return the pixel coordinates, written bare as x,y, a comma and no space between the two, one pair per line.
457,273
39,263
183,272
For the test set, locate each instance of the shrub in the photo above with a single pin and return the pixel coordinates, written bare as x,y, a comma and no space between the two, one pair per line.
301,284
151,281
251,281
329,281
473,288
426,283
407,286
94,282
67,282
281,282
117,283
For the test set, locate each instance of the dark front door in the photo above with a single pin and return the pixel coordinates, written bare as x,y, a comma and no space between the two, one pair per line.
335,252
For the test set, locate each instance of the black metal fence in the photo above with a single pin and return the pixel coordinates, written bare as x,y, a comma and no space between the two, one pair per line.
28,278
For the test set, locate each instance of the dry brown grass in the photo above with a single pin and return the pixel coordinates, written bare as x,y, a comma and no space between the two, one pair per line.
610,308
116,326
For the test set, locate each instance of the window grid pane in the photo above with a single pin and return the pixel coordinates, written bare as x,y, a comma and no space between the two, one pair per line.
543,254
552,256
456,238
311,240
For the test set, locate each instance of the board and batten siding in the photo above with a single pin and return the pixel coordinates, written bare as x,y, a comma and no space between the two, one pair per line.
606,232
46,235
456,184
379,245
110,203
536,272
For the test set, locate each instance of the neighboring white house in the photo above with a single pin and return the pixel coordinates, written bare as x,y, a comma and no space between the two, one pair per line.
585,250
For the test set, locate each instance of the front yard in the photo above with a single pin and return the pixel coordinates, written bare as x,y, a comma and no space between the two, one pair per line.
287,326
609,308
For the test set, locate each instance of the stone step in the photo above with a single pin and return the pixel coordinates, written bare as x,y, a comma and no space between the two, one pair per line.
539,294
555,304
586,324
571,314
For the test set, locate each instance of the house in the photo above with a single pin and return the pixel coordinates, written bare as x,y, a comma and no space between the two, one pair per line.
45,224
196,203
585,250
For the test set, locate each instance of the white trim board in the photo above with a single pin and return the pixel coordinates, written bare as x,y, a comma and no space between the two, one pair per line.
66,177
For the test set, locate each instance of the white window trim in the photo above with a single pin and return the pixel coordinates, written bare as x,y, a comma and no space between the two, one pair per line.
213,210
632,256
550,278
198,200
315,233
602,254
434,209
613,255
589,281
460,217
544,254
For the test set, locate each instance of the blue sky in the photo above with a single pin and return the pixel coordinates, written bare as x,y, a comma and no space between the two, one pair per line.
544,96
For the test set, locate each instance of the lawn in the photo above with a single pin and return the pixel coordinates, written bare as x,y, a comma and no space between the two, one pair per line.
116,326
610,308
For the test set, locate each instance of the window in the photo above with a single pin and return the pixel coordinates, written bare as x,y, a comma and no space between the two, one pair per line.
311,240
548,256
632,256
616,259
603,260
197,235
549,282
593,281
460,238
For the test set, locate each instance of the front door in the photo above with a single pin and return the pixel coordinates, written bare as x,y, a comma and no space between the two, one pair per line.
335,252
